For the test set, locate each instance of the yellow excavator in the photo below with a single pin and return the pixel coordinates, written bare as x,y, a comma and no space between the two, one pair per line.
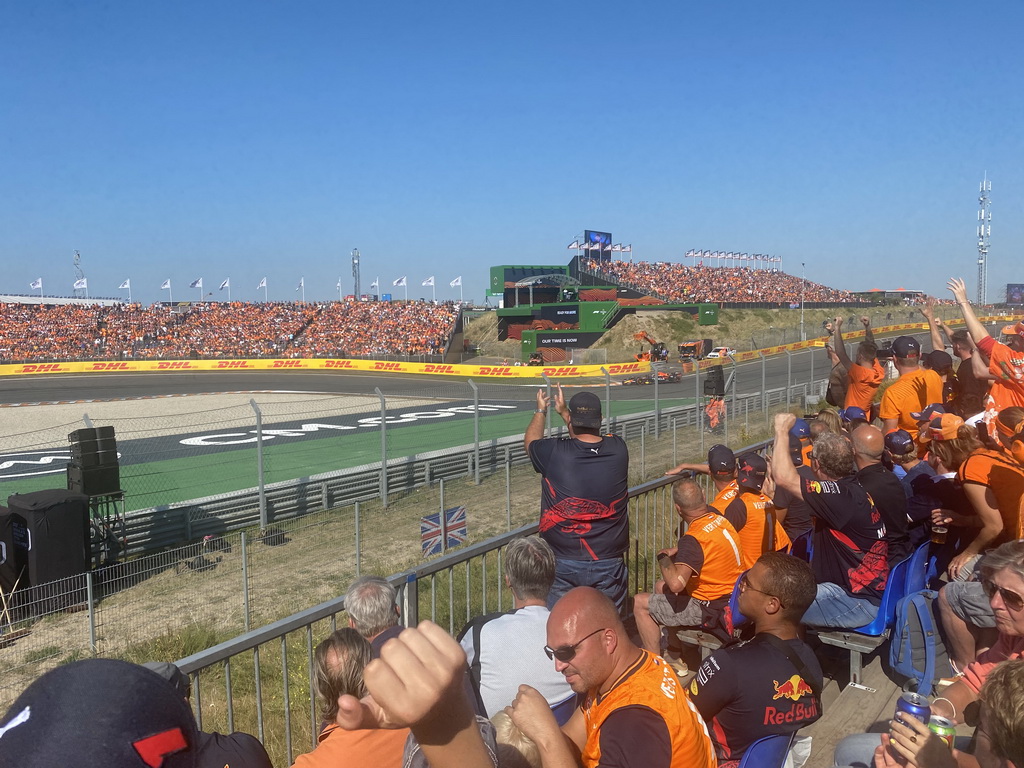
657,351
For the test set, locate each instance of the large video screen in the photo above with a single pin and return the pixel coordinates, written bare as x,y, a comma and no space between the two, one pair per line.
602,238
1015,293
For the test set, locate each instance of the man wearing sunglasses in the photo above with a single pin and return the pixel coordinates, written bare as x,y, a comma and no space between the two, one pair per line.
635,713
772,683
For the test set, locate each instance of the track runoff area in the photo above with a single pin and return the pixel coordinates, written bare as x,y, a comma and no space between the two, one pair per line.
172,463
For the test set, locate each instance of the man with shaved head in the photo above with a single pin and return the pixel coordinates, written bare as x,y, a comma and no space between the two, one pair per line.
883,487
634,714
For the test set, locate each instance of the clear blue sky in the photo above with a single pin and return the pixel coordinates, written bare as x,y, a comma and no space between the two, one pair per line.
242,140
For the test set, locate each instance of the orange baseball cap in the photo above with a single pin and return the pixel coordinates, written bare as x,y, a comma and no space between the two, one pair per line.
1014,329
944,427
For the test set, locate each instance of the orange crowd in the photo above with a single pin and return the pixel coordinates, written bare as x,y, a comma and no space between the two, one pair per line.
34,332
680,283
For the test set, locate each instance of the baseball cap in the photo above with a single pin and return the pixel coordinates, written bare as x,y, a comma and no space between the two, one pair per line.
1014,329
721,460
939,360
852,412
585,410
800,428
752,471
943,427
172,675
899,442
99,713
796,450
935,409
906,346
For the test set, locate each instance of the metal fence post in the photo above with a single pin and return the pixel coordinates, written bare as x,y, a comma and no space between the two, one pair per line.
443,519
764,390
735,403
698,411
264,520
547,416
246,607
359,547
92,612
812,366
657,402
383,447
789,374
643,448
607,397
476,431
675,430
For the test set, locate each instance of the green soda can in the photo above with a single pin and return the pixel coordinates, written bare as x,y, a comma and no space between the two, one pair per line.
943,728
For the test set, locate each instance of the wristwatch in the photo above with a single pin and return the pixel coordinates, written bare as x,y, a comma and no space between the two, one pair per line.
541,410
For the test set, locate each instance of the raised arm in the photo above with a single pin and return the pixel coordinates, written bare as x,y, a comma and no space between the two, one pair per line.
928,310
783,472
974,326
844,358
868,335
535,430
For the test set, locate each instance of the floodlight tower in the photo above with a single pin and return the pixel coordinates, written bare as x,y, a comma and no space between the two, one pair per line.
984,232
80,293
355,270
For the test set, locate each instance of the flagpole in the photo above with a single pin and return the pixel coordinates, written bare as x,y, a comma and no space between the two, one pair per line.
265,299
433,291
406,286
229,290
129,290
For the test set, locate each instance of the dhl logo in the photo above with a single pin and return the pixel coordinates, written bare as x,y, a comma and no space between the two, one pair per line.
486,370
792,689
338,364
562,371
232,363
387,366
42,368
109,367
624,368
173,365
428,368
288,364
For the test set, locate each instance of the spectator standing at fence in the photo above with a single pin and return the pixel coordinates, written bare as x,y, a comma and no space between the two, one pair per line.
1006,360
914,390
635,713
864,374
584,496
493,641
373,611
721,467
850,560
338,665
772,683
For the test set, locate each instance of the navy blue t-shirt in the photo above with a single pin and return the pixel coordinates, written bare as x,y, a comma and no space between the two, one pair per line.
584,496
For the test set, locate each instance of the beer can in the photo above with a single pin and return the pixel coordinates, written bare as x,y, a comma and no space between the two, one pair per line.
913,704
943,728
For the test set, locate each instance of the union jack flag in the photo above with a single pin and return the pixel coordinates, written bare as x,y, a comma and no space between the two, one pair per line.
430,530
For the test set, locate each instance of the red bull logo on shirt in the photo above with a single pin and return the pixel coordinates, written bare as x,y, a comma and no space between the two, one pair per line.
793,689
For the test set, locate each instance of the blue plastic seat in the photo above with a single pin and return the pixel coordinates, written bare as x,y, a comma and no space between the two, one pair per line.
921,569
738,619
803,547
768,752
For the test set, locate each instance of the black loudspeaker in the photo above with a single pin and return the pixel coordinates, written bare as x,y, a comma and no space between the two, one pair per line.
94,481
57,533
714,382
13,551
95,447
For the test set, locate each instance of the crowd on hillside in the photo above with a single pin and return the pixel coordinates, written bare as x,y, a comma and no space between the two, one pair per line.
34,332
687,284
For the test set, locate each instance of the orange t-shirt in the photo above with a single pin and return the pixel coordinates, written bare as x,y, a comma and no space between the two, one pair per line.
910,393
749,512
649,686
337,746
862,383
723,560
1005,477
1008,368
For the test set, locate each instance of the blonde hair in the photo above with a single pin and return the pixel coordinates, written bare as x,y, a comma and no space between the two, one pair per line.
515,748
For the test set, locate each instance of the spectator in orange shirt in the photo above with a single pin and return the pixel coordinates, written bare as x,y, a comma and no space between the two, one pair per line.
912,391
863,375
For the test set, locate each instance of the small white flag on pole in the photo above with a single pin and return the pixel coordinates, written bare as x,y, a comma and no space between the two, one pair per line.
301,285
399,282
225,284
197,283
429,282
338,286
37,283
263,284
165,285
627,248
81,285
126,284
574,245
375,285
617,247
456,282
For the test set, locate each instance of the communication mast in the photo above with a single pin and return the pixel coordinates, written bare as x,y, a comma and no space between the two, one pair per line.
984,232
355,270
81,291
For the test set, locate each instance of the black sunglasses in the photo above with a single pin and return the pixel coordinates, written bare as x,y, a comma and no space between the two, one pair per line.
745,585
566,653
1011,600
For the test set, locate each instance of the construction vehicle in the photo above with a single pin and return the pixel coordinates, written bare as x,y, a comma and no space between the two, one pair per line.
694,350
657,352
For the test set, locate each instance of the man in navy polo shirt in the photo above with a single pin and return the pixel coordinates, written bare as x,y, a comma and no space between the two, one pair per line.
584,497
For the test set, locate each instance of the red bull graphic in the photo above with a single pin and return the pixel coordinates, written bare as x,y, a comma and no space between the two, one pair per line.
792,689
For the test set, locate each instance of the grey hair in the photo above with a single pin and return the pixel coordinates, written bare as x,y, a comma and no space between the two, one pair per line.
530,567
1008,556
370,604
834,455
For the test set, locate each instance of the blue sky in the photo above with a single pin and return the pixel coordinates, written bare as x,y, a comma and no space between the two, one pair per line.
243,140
